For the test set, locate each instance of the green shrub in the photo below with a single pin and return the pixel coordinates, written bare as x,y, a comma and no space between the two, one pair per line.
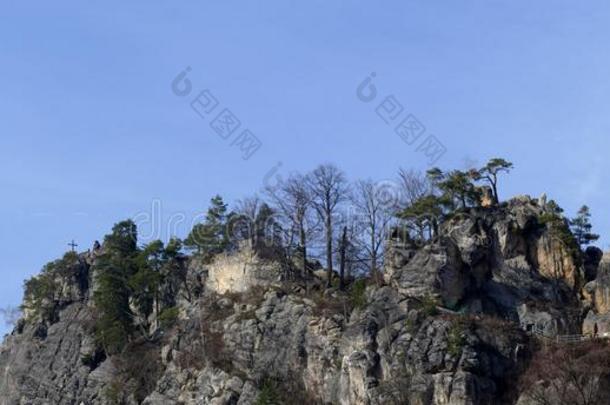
111,335
456,338
410,326
40,294
429,305
358,294
269,394
113,393
40,290
168,317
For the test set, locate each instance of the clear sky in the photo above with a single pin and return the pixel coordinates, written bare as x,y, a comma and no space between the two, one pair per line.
92,133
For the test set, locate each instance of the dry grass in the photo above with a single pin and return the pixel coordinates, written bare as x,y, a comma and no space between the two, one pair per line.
574,374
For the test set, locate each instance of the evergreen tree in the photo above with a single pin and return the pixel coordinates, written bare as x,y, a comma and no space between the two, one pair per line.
210,237
174,246
559,227
114,320
174,275
124,238
146,282
456,186
490,173
41,290
424,215
581,227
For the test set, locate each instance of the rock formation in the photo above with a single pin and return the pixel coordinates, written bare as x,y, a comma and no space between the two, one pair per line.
448,327
598,294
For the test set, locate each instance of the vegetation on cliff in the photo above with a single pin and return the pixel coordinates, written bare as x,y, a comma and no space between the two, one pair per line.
462,269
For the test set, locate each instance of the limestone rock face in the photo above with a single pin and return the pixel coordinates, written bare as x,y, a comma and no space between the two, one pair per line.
43,363
593,319
433,271
600,287
388,352
381,355
553,261
597,294
498,261
239,271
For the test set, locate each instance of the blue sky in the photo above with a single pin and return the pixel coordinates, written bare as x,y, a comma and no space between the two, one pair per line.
92,133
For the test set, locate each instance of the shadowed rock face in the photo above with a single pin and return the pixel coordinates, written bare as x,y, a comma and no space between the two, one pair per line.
46,368
597,295
497,264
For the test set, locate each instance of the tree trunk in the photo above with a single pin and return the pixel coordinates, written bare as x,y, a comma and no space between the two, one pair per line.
374,271
342,264
303,242
494,187
329,249
373,255
157,308
493,182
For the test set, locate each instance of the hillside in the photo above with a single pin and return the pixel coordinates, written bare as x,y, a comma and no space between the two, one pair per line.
460,319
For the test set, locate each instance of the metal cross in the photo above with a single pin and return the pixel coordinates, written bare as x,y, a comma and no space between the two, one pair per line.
72,245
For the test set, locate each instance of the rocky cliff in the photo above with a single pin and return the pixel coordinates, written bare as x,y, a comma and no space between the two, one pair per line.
448,326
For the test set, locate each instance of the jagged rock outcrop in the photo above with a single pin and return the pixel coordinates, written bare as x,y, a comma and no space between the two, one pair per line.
502,261
42,364
597,294
239,334
387,353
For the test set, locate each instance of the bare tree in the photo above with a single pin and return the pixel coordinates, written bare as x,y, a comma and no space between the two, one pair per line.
10,315
418,196
255,221
248,206
373,220
328,188
342,258
350,251
293,200
242,220
569,374
415,185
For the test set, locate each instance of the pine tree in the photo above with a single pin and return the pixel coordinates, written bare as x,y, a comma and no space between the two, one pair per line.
490,174
146,282
581,227
457,187
210,237
114,320
424,215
